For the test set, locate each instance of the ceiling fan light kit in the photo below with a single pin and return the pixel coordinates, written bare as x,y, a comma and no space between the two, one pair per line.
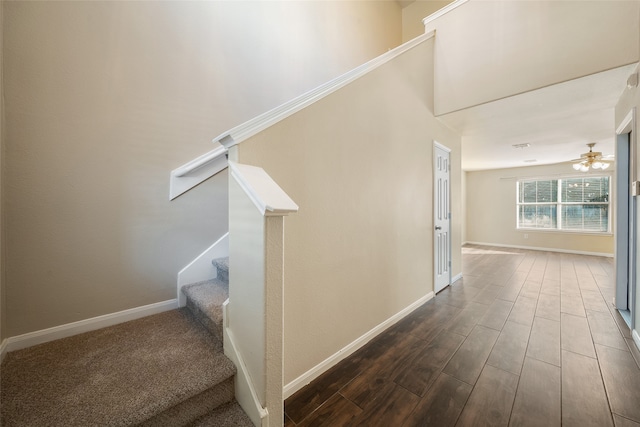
591,160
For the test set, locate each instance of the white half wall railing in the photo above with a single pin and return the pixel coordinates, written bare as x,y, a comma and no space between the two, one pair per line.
248,129
253,314
193,173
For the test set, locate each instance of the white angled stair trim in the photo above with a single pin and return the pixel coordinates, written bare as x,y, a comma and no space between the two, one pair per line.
202,268
448,8
197,170
245,392
248,129
3,350
266,195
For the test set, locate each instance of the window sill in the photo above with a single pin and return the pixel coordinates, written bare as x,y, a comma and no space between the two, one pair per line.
549,230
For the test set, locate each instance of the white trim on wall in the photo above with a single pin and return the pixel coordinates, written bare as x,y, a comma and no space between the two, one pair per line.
535,248
625,125
348,350
3,350
636,338
245,392
196,171
248,129
448,8
45,335
455,278
202,268
442,147
205,166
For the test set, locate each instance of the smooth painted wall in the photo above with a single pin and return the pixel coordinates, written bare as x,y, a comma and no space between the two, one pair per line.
491,213
359,165
489,49
103,99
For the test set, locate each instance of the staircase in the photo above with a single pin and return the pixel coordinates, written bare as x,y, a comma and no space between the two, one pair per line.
205,299
162,370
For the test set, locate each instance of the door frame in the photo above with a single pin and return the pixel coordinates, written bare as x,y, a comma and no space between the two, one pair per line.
437,145
626,248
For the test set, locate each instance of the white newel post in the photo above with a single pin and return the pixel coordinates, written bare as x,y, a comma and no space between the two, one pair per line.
254,313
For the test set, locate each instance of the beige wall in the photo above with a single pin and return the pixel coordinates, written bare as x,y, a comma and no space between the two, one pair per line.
414,13
529,45
104,99
359,165
491,213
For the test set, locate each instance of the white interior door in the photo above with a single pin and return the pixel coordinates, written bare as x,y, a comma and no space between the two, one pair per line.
441,217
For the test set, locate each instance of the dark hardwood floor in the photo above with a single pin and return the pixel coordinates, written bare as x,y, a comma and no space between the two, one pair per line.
526,338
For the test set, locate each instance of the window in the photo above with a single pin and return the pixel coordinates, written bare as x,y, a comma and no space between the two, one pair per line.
574,204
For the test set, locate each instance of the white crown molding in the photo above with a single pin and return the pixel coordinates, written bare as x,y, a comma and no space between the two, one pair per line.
348,350
45,335
248,129
196,171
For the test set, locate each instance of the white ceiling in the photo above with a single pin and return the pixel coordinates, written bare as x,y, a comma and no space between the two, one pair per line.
557,121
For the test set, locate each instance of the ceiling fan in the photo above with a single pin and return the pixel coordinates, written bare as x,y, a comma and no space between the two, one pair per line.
592,159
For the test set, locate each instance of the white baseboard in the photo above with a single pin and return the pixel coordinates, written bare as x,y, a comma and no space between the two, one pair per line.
63,331
245,393
455,278
3,349
201,268
333,360
535,248
636,338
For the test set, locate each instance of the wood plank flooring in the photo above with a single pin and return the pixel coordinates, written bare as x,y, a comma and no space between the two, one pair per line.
525,338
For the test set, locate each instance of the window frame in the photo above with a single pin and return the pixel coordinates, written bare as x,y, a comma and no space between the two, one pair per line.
559,204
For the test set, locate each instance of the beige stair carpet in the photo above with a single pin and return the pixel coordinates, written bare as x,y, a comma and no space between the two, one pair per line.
118,376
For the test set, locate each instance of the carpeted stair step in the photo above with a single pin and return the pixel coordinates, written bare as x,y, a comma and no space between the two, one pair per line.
161,370
222,267
205,300
229,415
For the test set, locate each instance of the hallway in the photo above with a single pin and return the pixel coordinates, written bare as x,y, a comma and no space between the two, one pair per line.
525,338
